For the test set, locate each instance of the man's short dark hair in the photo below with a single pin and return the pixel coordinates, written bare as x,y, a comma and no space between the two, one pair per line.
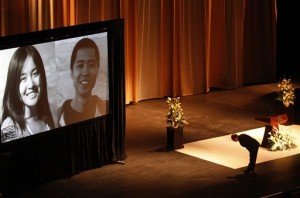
84,43
234,136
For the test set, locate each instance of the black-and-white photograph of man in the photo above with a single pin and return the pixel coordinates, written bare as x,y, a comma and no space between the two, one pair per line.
82,90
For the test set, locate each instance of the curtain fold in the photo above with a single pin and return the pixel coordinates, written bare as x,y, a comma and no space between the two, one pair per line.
189,53
128,12
172,47
259,42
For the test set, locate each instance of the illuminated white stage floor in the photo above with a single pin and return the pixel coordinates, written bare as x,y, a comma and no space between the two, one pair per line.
222,150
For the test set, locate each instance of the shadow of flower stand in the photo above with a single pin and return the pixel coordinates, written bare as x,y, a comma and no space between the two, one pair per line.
174,138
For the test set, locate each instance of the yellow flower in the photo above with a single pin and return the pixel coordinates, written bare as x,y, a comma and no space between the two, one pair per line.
286,93
175,116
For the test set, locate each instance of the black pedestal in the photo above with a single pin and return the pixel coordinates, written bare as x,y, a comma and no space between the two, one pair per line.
268,129
174,138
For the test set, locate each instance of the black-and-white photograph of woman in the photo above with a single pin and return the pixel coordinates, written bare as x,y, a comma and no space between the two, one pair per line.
25,104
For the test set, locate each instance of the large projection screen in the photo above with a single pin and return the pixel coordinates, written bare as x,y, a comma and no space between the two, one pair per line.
36,91
75,92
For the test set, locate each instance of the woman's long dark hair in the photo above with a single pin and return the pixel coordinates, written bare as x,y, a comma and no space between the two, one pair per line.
13,107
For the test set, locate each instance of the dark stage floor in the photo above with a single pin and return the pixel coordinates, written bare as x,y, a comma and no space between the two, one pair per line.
152,171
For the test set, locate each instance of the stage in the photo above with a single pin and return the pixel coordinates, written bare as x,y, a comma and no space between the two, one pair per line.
153,171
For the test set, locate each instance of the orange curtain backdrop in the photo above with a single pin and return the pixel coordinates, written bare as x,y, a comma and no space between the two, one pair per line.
15,17
195,45
129,13
226,44
259,42
19,16
172,47
169,41
189,53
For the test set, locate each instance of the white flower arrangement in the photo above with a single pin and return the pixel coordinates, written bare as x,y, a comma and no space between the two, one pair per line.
281,139
286,93
175,116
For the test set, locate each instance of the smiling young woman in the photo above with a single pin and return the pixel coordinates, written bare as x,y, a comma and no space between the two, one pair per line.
25,103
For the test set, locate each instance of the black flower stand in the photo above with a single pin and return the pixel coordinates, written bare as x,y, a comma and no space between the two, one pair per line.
174,138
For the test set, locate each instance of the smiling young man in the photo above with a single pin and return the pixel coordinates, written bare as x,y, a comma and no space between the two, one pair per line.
84,66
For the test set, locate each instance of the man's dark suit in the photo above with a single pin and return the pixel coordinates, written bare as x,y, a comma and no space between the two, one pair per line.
252,146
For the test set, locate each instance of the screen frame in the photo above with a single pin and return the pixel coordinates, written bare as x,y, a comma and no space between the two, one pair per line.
115,49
